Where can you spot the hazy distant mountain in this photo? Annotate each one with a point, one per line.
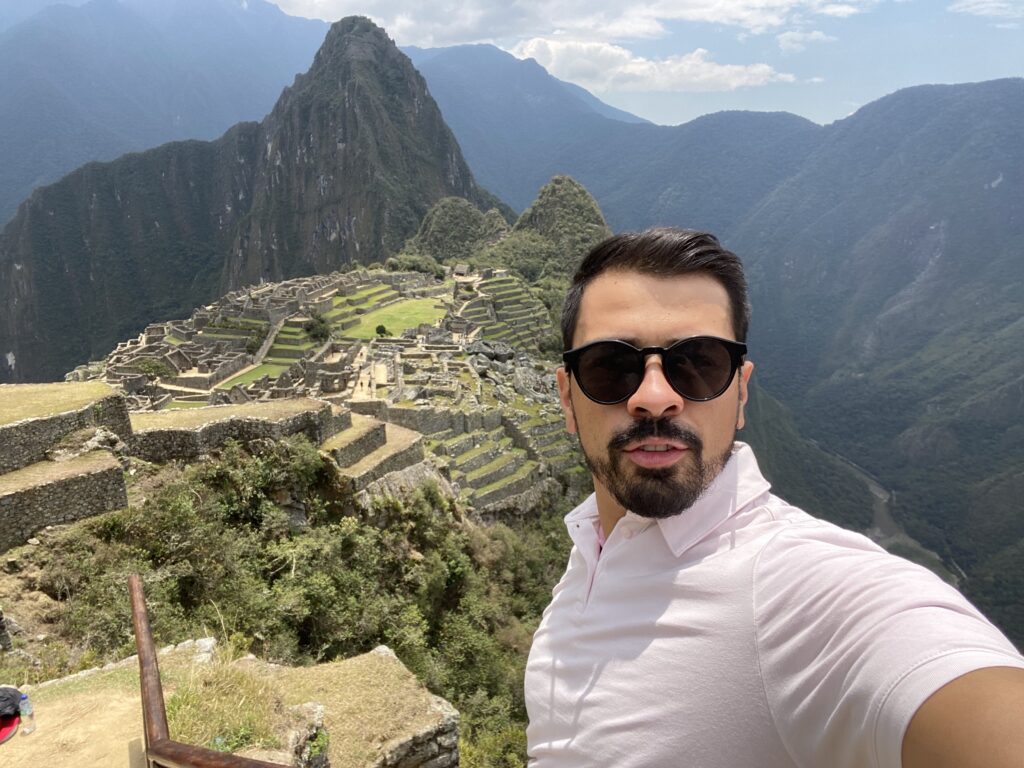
(519, 126)
(341, 171)
(95, 81)
(601, 108)
(889, 315)
(15, 11)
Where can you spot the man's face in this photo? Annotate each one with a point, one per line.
(655, 453)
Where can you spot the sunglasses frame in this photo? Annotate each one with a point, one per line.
(737, 350)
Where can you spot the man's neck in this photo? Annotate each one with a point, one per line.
(609, 511)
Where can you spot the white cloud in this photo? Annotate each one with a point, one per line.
(448, 22)
(793, 42)
(604, 67)
(840, 10)
(997, 9)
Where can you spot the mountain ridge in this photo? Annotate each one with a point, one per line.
(96, 80)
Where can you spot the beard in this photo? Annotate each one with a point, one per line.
(656, 493)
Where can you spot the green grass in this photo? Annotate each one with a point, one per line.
(179, 404)
(225, 333)
(362, 293)
(397, 318)
(272, 370)
(170, 338)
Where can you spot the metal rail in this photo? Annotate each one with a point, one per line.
(161, 750)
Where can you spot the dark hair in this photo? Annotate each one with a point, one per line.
(661, 251)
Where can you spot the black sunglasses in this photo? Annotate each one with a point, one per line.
(698, 368)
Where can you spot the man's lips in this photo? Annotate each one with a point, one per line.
(654, 452)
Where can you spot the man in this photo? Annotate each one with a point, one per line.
(702, 621)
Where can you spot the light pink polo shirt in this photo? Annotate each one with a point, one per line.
(741, 633)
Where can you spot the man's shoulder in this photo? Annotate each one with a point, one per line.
(800, 542)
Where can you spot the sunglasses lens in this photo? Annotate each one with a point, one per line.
(699, 369)
(609, 372)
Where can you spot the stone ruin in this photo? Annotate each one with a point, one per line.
(488, 416)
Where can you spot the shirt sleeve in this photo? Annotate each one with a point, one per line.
(851, 641)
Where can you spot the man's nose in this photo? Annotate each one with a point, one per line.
(655, 397)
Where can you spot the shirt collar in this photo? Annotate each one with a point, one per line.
(738, 484)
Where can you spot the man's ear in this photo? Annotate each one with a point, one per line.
(746, 370)
(565, 397)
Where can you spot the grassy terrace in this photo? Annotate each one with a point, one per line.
(273, 370)
(397, 317)
(32, 401)
(177, 405)
(359, 296)
(232, 334)
(527, 467)
(52, 471)
(292, 342)
(190, 418)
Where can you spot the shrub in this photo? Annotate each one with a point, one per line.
(456, 601)
(317, 328)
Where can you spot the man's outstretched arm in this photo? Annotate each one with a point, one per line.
(976, 721)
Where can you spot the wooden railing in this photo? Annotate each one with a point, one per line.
(161, 751)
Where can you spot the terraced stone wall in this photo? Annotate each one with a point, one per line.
(26, 510)
(437, 747)
(430, 420)
(26, 442)
(181, 443)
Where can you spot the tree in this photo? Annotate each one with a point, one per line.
(382, 331)
(317, 328)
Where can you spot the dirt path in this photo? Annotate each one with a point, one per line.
(90, 728)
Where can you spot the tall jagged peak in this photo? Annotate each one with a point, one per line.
(353, 37)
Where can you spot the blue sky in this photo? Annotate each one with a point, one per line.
(673, 60)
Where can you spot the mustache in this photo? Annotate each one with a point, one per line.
(664, 427)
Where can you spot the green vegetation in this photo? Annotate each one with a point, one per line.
(399, 316)
(317, 328)
(457, 602)
(799, 471)
(453, 231)
(155, 368)
(414, 262)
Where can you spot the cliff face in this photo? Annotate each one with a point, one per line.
(341, 171)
